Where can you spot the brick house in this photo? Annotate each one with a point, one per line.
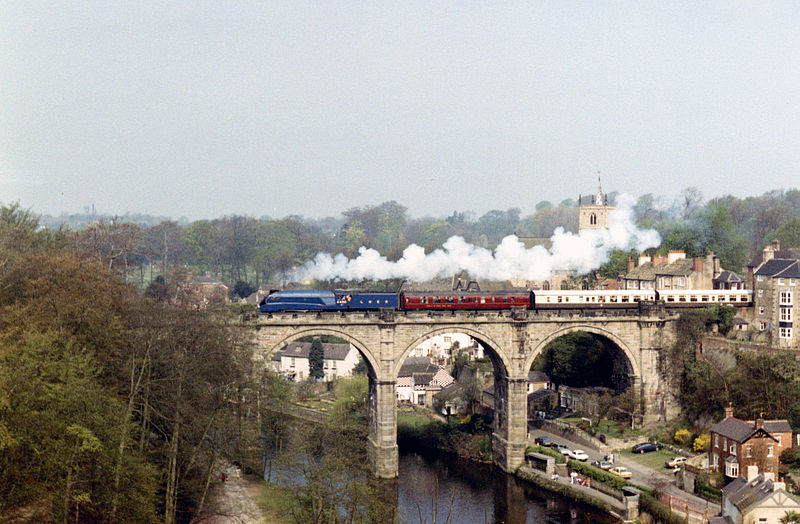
(736, 444)
(776, 282)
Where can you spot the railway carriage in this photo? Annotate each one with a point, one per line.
(433, 300)
(566, 299)
(706, 297)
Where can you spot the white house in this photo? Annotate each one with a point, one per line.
(419, 379)
(757, 499)
(338, 361)
(438, 348)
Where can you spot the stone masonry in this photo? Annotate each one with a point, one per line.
(513, 339)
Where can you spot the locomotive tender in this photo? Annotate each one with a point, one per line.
(347, 300)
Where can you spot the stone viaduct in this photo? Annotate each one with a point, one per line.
(512, 338)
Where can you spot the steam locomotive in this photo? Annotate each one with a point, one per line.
(347, 300)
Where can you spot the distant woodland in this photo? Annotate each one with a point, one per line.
(246, 252)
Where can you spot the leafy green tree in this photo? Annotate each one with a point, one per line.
(788, 234)
(316, 360)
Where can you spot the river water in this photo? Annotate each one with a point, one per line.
(460, 491)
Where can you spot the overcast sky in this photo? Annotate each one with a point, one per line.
(202, 109)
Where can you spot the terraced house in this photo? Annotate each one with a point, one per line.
(776, 283)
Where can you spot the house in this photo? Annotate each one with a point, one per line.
(538, 380)
(755, 499)
(737, 444)
(583, 401)
(451, 399)
(203, 291)
(541, 401)
(419, 379)
(443, 348)
(338, 360)
(776, 282)
(728, 280)
(672, 271)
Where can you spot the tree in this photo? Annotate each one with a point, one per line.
(316, 360)
(702, 442)
(791, 517)
(788, 234)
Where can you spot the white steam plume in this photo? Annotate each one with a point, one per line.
(510, 260)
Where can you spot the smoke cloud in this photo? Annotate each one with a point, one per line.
(510, 260)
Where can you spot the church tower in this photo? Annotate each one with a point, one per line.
(594, 215)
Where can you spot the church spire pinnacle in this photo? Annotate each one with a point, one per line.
(599, 197)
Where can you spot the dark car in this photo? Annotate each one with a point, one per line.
(646, 447)
(544, 441)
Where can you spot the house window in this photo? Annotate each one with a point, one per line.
(716, 441)
(761, 292)
(733, 449)
(770, 451)
(292, 363)
(786, 332)
(778, 438)
(786, 314)
(760, 278)
(592, 219)
(748, 451)
(762, 326)
(716, 460)
(725, 444)
(786, 298)
(760, 310)
(681, 281)
(734, 470)
(780, 281)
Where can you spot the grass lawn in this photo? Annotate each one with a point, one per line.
(654, 459)
(413, 420)
(608, 427)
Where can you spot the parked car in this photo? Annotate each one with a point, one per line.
(562, 449)
(646, 447)
(602, 464)
(675, 462)
(544, 441)
(578, 454)
(621, 471)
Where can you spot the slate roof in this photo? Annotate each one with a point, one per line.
(777, 266)
(538, 376)
(414, 365)
(786, 254)
(682, 267)
(728, 276)
(644, 271)
(740, 431)
(302, 349)
(744, 494)
(448, 392)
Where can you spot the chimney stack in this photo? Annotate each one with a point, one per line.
(630, 264)
(675, 254)
(776, 245)
(760, 421)
(697, 265)
(644, 259)
(729, 410)
(768, 253)
(752, 473)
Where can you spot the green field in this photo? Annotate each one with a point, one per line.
(654, 459)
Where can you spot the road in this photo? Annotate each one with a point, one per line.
(642, 475)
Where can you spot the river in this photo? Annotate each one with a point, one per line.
(461, 491)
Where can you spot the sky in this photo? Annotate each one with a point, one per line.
(205, 109)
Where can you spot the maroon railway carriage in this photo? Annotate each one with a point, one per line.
(464, 300)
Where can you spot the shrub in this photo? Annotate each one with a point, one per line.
(560, 458)
(702, 442)
(609, 479)
(683, 437)
(791, 457)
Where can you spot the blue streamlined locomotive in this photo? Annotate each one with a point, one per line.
(324, 300)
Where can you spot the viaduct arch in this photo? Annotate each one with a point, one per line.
(514, 337)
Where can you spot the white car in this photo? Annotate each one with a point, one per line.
(578, 454)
